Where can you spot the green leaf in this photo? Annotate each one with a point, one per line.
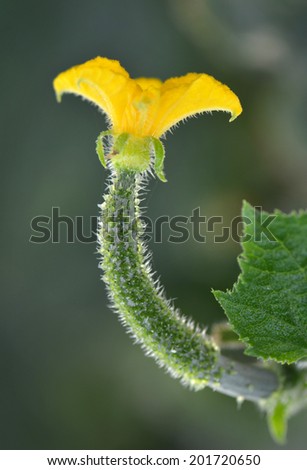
(267, 307)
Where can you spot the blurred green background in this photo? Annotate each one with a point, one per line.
(71, 377)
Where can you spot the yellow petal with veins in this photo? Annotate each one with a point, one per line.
(145, 107)
(102, 81)
(191, 94)
(146, 83)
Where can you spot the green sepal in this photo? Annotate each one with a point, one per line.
(131, 152)
(119, 143)
(100, 148)
(159, 158)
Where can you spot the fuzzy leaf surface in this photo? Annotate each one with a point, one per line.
(267, 307)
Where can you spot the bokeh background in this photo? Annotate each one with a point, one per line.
(71, 377)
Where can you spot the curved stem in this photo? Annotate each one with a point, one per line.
(176, 343)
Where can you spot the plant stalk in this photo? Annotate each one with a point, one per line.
(177, 344)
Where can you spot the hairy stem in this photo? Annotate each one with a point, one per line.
(187, 352)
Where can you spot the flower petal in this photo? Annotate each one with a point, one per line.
(102, 81)
(143, 107)
(191, 94)
(146, 83)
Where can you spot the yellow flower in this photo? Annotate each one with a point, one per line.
(141, 110)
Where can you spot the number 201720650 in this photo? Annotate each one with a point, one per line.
(223, 459)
